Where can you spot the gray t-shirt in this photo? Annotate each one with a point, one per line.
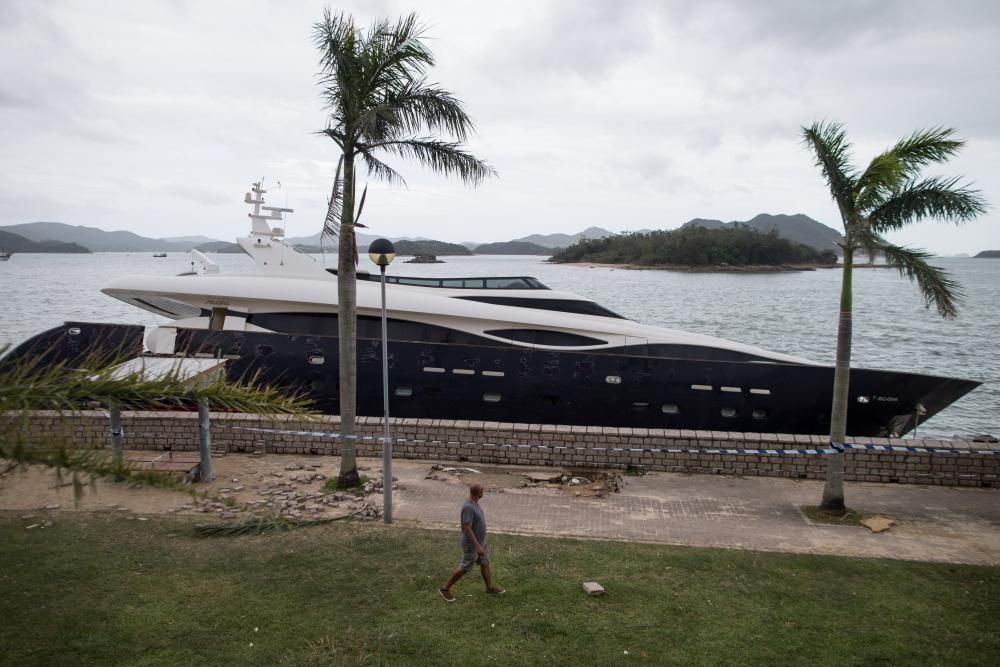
(473, 513)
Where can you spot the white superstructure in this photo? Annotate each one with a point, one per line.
(290, 284)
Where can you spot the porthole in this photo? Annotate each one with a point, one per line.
(493, 374)
(864, 399)
(433, 369)
(463, 371)
(639, 406)
(732, 390)
(317, 359)
(670, 409)
(729, 413)
(761, 392)
(613, 379)
(702, 387)
(760, 414)
(404, 391)
(491, 398)
(73, 331)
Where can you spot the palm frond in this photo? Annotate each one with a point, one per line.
(936, 285)
(379, 169)
(901, 164)
(361, 206)
(337, 39)
(883, 177)
(443, 157)
(932, 198)
(925, 147)
(420, 107)
(28, 385)
(253, 525)
(828, 143)
(334, 207)
(33, 383)
(396, 53)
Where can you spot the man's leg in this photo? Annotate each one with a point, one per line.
(455, 576)
(488, 579)
(484, 568)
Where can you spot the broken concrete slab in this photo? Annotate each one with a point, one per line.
(877, 524)
(593, 588)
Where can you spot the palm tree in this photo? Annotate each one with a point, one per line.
(888, 195)
(380, 102)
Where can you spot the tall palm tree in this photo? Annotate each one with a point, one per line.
(889, 194)
(380, 103)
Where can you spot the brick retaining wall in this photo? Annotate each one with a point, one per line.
(537, 444)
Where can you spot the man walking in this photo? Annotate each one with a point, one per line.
(473, 545)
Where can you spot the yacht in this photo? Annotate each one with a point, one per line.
(497, 348)
(4, 255)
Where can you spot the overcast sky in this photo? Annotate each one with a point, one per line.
(155, 116)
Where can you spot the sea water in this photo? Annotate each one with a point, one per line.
(794, 312)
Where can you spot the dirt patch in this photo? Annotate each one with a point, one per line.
(589, 483)
(272, 484)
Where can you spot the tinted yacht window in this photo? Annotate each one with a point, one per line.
(306, 324)
(558, 305)
(321, 324)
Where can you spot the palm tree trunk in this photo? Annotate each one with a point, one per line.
(347, 329)
(833, 489)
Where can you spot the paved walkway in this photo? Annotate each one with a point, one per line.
(959, 525)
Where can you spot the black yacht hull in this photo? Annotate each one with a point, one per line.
(507, 384)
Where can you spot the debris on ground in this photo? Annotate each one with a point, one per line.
(593, 588)
(877, 524)
(590, 483)
(451, 470)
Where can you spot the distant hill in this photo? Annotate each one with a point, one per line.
(989, 253)
(429, 248)
(313, 241)
(11, 242)
(512, 248)
(798, 228)
(564, 240)
(219, 246)
(96, 239)
(364, 240)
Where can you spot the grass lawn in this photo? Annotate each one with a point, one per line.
(96, 589)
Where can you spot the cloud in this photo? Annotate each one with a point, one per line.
(155, 117)
(198, 194)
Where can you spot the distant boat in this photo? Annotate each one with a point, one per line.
(159, 254)
(4, 255)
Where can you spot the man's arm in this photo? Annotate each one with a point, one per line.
(467, 529)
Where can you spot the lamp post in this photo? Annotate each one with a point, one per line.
(382, 252)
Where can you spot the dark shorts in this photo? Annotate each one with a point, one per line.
(470, 558)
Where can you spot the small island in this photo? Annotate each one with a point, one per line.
(739, 249)
(992, 254)
(423, 259)
(430, 247)
(513, 248)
